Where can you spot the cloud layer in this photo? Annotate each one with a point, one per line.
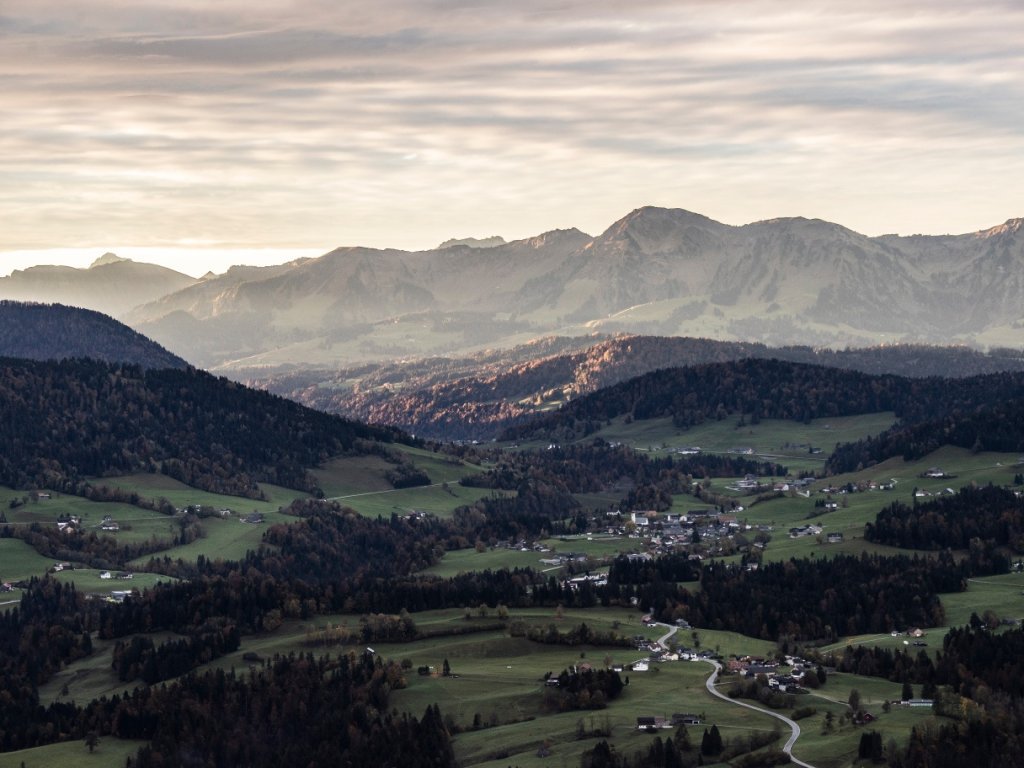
(314, 123)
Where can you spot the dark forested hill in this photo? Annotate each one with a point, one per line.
(772, 389)
(995, 424)
(55, 332)
(61, 422)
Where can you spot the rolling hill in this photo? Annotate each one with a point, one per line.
(62, 423)
(55, 332)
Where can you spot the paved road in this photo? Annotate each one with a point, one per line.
(793, 726)
(663, 640)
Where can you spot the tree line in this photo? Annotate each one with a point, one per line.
(969, 517)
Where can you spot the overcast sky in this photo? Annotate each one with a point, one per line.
(309, 124)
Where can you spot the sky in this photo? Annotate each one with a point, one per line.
(199, 134)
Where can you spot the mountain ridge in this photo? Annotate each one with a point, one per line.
(655, 271)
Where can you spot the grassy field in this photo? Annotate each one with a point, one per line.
(156, 486)
(788, 442)
(19, 561)
(598, 546)
(225, 539)
(109, 752)
(361, 483)
(88, 580)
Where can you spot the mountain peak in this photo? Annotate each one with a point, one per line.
(473, 242)
(1009, 227)
(571, 235)
(650, 220)
(108, 258)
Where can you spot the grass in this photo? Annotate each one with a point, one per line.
(1002, 594)
(439, 500)
(156, 486)
(784, 441)
(19, 561)
(88, 580)
(361, 483)
(74, 754)
(598, 546)
(224, 539)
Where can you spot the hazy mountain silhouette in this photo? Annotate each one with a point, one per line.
(111, 284)
(656, 271)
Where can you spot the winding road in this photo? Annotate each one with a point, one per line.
(713, 679)
(793, 725)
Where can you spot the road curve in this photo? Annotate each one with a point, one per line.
(793, 726)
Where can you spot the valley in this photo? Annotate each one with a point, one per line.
(494, 703)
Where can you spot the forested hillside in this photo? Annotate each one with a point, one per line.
(55, 332)
(478, 396)
(980, 424)
(63, 422)
(759, 389)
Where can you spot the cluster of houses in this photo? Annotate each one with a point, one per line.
(751, 484)
(790, 681)
(655, 723)
(670, 532)
(69, 523)
(73, 524)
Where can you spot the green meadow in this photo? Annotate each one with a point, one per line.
(19, 561)
(787, 442)
(73, 754)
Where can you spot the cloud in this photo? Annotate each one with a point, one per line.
(323, 123)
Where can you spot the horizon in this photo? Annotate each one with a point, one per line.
(306, 126)
(198, 260)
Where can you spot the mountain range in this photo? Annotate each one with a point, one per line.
(656, 271)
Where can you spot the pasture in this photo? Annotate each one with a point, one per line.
(73, 754)
(19, 561)
(787, 442)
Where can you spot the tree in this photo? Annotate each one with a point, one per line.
(908, 691)
(446, 669)
(92, 739)
(711, 743)
(682, 739)
(854, 700)
(870, 747)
